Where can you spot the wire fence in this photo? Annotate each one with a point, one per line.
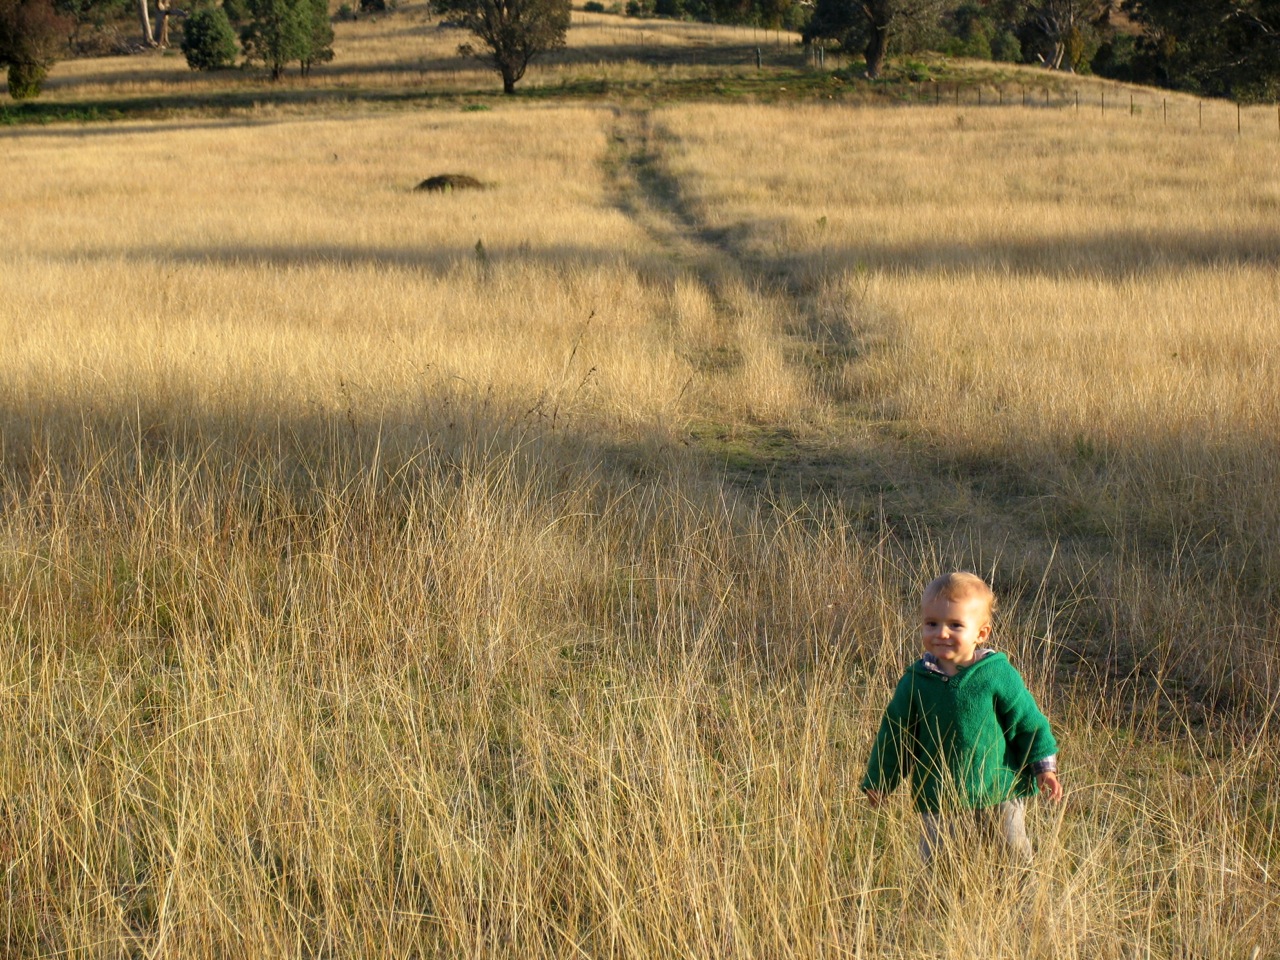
(744, 47)
(1177, 110)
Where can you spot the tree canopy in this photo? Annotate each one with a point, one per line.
(1215, 47)
(281, 32)
(868, 25)
(31, 33)
(208, 39)
(511, 33)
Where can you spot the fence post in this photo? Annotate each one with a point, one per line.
(1237, 119)
(1077, 101)
(1164, 110)
(757, 58)
(1200, 121)
(1131, 104)
(1103, 95)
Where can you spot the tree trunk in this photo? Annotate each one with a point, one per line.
(876, 46)
(144, 18)
(508, 82)
(162, 33)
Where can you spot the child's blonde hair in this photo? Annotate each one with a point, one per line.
(959, 585)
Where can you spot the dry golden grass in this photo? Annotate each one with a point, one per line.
(362, 593)
(1078, 310)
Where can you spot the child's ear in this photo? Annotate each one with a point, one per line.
(984, 631)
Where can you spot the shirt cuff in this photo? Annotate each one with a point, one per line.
(1048, 765)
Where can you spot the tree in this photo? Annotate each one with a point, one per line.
(320, 36)
(282, 31)
(30, 34)
(144, 21)
(208, 40)
(511, 32)
(94, 14)
(1066, 25)
(1215, 47)
(868, 25)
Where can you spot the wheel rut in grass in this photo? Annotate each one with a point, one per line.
(805, 459)
(845, 451)
(645, 190)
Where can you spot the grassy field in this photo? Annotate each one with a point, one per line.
(522, 572)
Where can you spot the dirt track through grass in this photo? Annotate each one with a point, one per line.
(837, 453)
(791, 457)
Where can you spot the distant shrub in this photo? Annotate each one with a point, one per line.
(237, 11)
(1115, 58)
(1006, 47)
(208, 39)
(969, 33)
(593, 6)
(31, 36)
(281, 32)
(26, 79)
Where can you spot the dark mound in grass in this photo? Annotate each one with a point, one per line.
(444, 182)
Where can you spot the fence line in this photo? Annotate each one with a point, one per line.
(1222, 115)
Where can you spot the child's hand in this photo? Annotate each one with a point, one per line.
(1050, 785)
(874, 797)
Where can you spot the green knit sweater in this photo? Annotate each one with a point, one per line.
(967, 741)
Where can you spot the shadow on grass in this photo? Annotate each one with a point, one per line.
(434, 260)
(1110, 255)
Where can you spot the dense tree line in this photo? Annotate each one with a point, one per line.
(1215, 47)
(1211, 47)
(274, 33)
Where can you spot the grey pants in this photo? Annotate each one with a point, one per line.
(1003, 826)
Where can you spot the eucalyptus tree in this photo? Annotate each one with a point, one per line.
(510, 34)
(867, 26)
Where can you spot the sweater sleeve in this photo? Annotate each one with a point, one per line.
(891, 754)
(1026, 729)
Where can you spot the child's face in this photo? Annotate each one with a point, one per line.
(952, 629)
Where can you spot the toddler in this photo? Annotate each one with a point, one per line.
(965, 728)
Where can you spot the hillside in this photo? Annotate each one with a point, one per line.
(522, 571)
